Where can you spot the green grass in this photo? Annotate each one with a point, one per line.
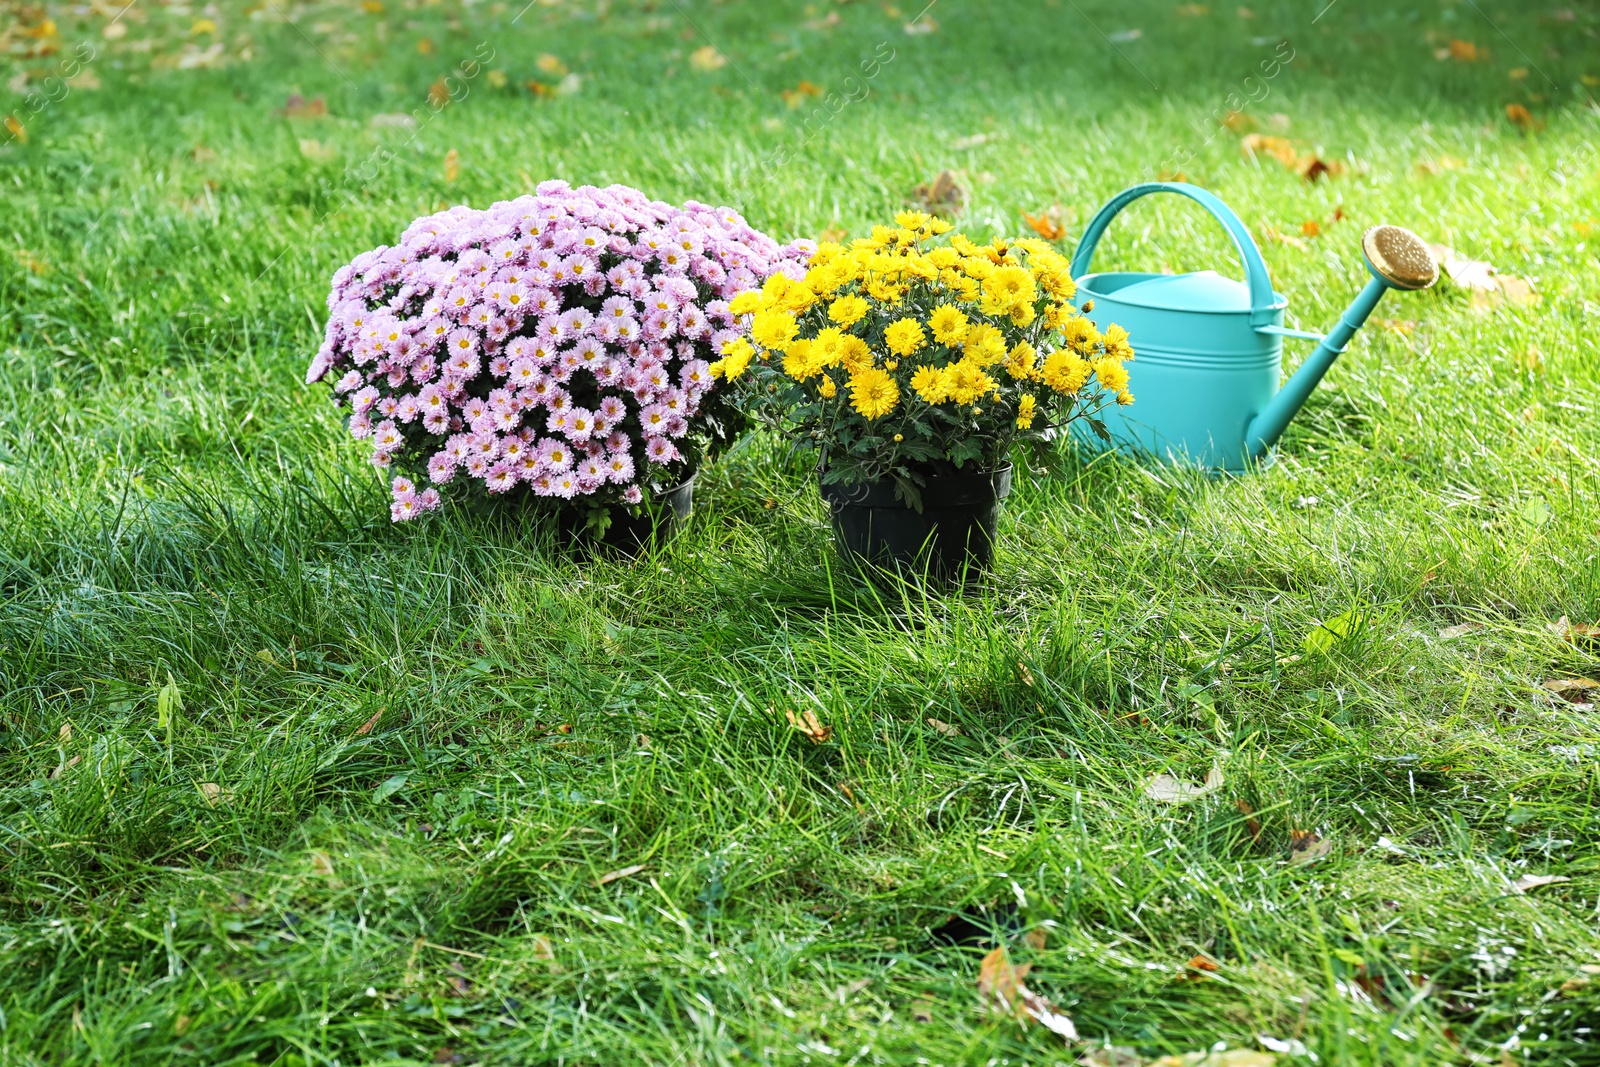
(178, 513)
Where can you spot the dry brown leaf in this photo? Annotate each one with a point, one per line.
(551, 65)
(706, 59)
(425, 46)
(65, 767)
(545, 952)
(645, 742)
(1306, 846)
(1462, 52)
(180, 1025)
(439, 94)
(925, 25)
(1450, 633)
(298, 107)
(1047, 224)
(65, 733)
(452, 165)
(1025, 674)
(1522, 118)
(1278, 237)
(1111, 1056)
(942, 196)
(945, 728)
(317, 151)
(1239, 121)
(16, 129)
(922, 1011)
(322, 867)
(1534, 881)
(832, 234)
(366, 728)
(1311, 228)
(612, 876)
(1312, 167)
(808, 723)
(1000, 985)
(845, 992)
(1037, 938)
(1251, 823)
(1578, 687)
(1169, 790)
(1201, 962)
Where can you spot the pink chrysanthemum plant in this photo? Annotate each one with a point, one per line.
(556, 346)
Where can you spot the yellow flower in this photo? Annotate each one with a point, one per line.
(961, 244)
(736, 356)
(968, 382)
(1111, 374)
(1116, 342)
(899, 437)
(873, 393)
(904, 336)
(944, 258)
(827, 348)
(1025, 411)
(1124, 397)
(773, 329)
(1022, 315)
(827, 388)
(855, 354)
(746, 302)
(798, 362)
(931, 384)
(798, 298)
(884, 292)
(912, 220)
(1007, 287)
(985, 345)
(1081, 335)
(922, 267)
(948, 323)
(1065, 371)
(1020, 363)
(936, 226)
(848, 310)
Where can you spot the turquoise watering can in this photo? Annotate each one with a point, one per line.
(1209, 350)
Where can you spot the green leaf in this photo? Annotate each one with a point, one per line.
(1327, 635)
(390, 787)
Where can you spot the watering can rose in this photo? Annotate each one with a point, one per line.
(900, 357)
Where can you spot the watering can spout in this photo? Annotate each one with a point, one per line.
(1398, 259)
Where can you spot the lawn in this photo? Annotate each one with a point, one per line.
(283, 783)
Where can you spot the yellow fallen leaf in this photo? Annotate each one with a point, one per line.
(612, 876)
(497, 79)
(452, 165)
(1450, 633)
(1522, 118)
(1307, 845)
(425, 46)
(833, 233)
(65, 767)
(944, 728)
(372, 7)
(1046, 224)
(202, 26)
(215, 794)
(551, 65)
(1279, 148)
(115, 31)
(439, 94)
(808, 723)
(706, 59)
(319, 152)
(1003, 992)
(16, 129)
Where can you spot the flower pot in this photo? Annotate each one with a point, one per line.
(630, 532)
(954, 533)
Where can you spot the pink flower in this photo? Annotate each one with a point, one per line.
(660, 450)
(632, 495)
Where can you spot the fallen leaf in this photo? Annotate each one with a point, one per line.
(1025, 674)
(1522, 118)
(921, 27)
(215, 794)
(1251, 823)
(833, 234)
(1575, 686)
(1305, 846)
(1202, 963)
(1239, 121)
(645, 742)
(1191, 11)
(550, 65)
(322, 867)
(1124, 36)
(808, 723)
(1111, 1056)
(612, 876)
(1462, 52)
(65, 733)
(1311, 228)
(16, 129)
(1000, 985)
(545, 952)
(942, 196)
(706, 59)
(798, 95)
(1276, 236)
(366, 728)
(84, 79)
(1278, 148)
(1450, 633)
(497, 79)
(962, 144)
(1311, 168)
(446, 1055)
(439, 94)
(1047, 224)
(67, 766)
(317, 151)
(298, 107)
(1037, 939)
(390, 787)
(945, 728)
(202, 26)
(372, 7)
(1169, 790)
(832, 19)
(452, 165)
(1534, 881)
(1326, 635)
(460, 984)
(845, 992)
(1236, 1057)
(922, 1012)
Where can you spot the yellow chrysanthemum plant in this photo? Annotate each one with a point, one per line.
(915, 352)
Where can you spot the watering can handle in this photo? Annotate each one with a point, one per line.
(1263, 301)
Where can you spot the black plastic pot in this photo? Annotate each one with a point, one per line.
(630, 533)
(954, 534)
